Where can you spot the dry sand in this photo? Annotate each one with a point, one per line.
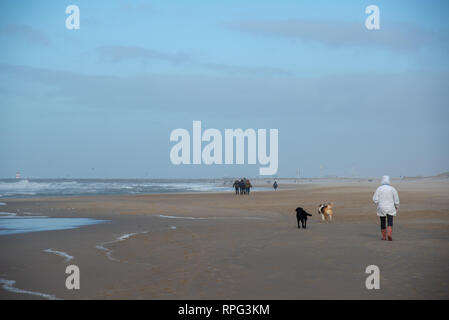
(244, 247)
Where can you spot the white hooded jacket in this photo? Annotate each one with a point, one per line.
(386, 198)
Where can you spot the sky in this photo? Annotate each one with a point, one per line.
(101, 101)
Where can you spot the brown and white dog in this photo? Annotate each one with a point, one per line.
(326, 212)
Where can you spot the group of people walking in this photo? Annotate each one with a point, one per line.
(242, 186)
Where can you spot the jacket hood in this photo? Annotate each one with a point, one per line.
(385, 180)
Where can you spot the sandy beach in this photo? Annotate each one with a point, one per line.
(227, 246)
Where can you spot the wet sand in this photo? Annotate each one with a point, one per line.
(241, 247)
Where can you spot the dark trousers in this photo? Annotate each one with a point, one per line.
(388, 219)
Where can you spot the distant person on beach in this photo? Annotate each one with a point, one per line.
(248, 186)
(245, 186)
(242, 186)
(386, 199)
(236, 185)
(275, 185)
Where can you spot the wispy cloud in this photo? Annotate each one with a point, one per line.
(338, 95)
(232, 69)
(25, 32)
(119, 53)
(340, 34)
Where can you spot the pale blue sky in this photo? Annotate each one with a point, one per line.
(100, 102)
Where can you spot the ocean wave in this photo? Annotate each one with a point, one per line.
(33, 188)
(60, 253)
(7, 214)
(8, 285)
(12, 215)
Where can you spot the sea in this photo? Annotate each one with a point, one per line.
(30, 188)
(12, 223)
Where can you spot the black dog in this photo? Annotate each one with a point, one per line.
(301, 215)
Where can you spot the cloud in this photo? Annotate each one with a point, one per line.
(356, 117)
(231, 69)
(364, 94)
(119, 53)
(26, 33)
(397, 36)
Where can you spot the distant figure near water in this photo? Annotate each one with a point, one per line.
(275, 185)
(242, 186)
(248, 186)
(236, 185)
(387, 200)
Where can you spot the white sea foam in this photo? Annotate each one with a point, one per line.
(126, 236)
(60, 253)
(7, 214)
(2, 204)
(55, 187)
(208, 218)
(8, 285)
(123, 237)
(15, 216)
(177, 217)
(108, 251)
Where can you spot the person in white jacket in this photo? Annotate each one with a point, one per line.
(386, 199)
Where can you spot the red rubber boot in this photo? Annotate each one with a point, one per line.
(384, 234)
(390, 231)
